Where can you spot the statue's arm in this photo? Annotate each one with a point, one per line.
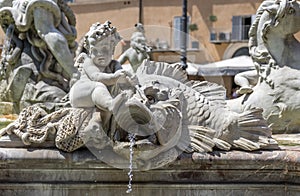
(123, 58)
(95, 74)
(14, 55)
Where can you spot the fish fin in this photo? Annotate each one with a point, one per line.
(174, 71)
(201, 138)
(252, 121)
(251, 132)
(221, 144)
(211, 91)
(246, 144)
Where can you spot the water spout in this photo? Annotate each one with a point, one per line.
(131, 138)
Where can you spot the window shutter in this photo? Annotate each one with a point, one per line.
(236, 28)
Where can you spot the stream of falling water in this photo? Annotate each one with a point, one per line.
(131, 138)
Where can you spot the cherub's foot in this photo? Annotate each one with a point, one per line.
(245, 90)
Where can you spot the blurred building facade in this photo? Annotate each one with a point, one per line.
(218, 29)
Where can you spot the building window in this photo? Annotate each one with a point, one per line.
(241, 26)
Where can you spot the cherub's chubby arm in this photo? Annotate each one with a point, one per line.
(123, 58)
(95, 74)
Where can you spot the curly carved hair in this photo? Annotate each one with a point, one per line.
(99, 32)
(277, 8)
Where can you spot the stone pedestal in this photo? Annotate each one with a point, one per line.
(52, 172)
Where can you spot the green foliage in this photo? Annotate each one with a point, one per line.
(193, 27)
(213, 18)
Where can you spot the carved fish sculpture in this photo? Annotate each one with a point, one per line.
(187, 116)
(166, 114)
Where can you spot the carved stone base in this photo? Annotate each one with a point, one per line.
(52, 172)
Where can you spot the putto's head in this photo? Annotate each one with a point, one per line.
(137, 38)
(101, 32)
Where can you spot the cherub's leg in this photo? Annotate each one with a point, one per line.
(103, 100)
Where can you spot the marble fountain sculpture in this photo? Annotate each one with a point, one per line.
(37, 58)
(138, 50)
(275, 53)
(155, 114)
(93, 109)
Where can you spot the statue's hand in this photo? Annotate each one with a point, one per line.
(121, 74)
(132, 81)
(125, 77)
(128, 82)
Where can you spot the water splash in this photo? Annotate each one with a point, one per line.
(131, 138)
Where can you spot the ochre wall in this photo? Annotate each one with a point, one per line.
(157, 19)
(122, 16)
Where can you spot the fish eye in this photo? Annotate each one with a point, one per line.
(291, 10)
(162, 96)
(151, 99)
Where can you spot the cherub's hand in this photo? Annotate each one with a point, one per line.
(121, 73)
(128, 82)
(133, 80)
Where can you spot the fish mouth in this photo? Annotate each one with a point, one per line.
(139, 112)
(151, 137)
(135, 117)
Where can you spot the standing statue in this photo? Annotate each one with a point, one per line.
(37, 60)
(274, 51)
(138, 50)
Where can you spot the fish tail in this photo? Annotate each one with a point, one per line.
(250, 131)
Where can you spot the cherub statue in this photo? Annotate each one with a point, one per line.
(99, 72)
(138, 50)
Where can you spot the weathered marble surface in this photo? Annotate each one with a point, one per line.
(166, 113)
(52, 172)
(275, 53)
(36, 63)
